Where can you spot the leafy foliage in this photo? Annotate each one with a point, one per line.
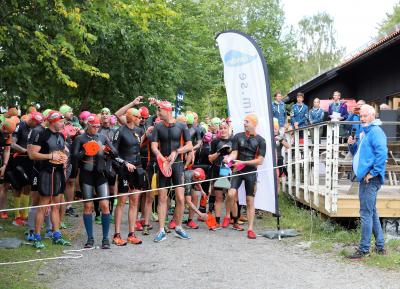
(96, 53)
(392, 19)
(316, 46)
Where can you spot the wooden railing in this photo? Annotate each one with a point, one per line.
(326, 149)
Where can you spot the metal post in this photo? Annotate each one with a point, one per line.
(305, 166)
(297, 165)
(328, 172)
(316, 165)
(335, 169)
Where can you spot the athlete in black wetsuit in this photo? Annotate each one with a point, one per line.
(34, 134)
(6, 129)
(22, 163)
(220, 148)
(49, 149)
(131, 176)
(91, 176)
(171, 141)
(111, 175)
(248, 149)
(151, 170)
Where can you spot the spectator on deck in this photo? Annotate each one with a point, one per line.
(316, 114)
(337, 109)
(279, 109)
(299, 113)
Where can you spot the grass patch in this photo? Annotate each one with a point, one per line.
(26, 275)
(327, 236)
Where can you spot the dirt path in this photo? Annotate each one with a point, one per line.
(222, 259)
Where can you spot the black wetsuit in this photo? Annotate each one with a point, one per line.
(170, 138)
(195, 135)
(5, 141)
(51, 179)
(21, 160)
(127, 143)
(144, 148)
(248, 148)
(107, 132)
(34, 134)
(222, 146)
(91, 168)
(110, 172)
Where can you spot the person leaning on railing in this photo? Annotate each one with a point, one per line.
(369, 164)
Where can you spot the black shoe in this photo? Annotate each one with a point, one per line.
(105, 244)
(358, 255)
(89, 244)
(380, 251)
(71, 212)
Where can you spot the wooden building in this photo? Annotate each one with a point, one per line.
(371, 74)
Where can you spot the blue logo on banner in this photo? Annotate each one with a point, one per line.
(237, 58)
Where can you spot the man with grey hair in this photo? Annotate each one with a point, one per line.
(369, 164)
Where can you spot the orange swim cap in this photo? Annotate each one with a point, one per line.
(252, 118)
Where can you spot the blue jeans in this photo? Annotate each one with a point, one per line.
(369, 216)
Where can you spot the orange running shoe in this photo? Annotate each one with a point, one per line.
(4, 216)
(172, 224)
(19, 222)
(139, 226)
(133, 239)
(216, 227)
(117, 240)
(225, 222)
(251, 234)
(192, 225)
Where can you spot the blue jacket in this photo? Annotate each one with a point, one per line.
(316, 115)
(279, 112)
(357, 127)
(299, 114)
(370, 152)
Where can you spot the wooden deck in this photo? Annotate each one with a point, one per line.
(348, 205)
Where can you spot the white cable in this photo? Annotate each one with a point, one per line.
(69, 254)
(73, 254)
(145, 191)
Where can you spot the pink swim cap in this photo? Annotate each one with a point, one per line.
(84, 115)
(207, 137)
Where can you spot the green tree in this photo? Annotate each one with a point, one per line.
(391, 19)
(317, 49)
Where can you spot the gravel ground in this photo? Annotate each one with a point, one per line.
(222, 259)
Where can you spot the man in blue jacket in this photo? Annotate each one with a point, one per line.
(316, 114)
(369, 164)
(299, 113)
(279, 109)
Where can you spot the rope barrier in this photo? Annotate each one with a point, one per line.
(69, 254)
(145, 191)
(76, 254)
